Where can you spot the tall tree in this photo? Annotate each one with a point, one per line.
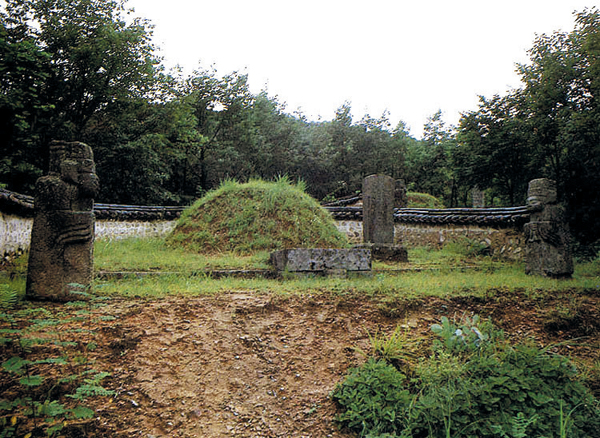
(221, 109)
(551, 127)
(428, 161)
(493, 149)
(86, 57)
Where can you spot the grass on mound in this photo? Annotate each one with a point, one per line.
(256, 216)
(423, 200)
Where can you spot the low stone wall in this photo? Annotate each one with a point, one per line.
(500, 229)
(115, 230)
(505, 242)
(15, 234)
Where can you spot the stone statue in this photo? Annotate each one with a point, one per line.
(548, 241)
(62, 237)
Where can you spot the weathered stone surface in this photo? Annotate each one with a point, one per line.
(62, 236)
(322, 260)
(478, 196)
(380, 192)
(400, 194)
(386, 253)
(378, 209)
(548, 241)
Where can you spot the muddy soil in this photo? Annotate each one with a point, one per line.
(255, 365)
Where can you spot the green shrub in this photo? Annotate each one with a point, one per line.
(467, 247)
(374, 399)
(473, 385)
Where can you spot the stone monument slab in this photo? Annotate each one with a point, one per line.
(322, 260)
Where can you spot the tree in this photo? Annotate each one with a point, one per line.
(80, 56)
(428, 161)
(493, 149)
(221, 110)
(562, 85)
(23, 67)
(550, 128)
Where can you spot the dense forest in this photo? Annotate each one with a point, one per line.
(86, 70)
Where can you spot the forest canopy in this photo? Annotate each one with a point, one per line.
(86, 70)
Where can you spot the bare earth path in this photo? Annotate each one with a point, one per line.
(254, 365)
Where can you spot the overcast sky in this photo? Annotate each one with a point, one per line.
(410, 58)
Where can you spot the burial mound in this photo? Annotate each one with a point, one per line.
(256, 216)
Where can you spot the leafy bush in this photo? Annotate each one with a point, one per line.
(473, 385)
(374, 399)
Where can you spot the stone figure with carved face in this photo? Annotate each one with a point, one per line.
(548, 242)
(62, 237)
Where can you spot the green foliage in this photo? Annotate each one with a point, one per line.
(548, 128)
(8, 297)
(255, 216)
(429, 169)
(473, 385)
(67, 63)
(467, 247)
(395, 349)
(25, 329)
(469, 336)
(373, 399)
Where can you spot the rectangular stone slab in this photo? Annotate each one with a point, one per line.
(322, 259)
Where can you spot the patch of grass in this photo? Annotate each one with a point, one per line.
(255, 216)
(409, 285)
(589, 269)
(147, 255)
(437, 273)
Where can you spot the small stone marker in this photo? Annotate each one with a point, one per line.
(62, 236)
(379, 195)
(548, 241)
(478, 196)
(325, 261)
(400, 194)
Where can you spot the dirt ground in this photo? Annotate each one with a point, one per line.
(254, 365)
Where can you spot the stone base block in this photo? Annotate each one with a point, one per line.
(323, 261)
(386, 253)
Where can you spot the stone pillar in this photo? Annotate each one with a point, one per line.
(478, 196)
(400, 195)
(378, 209)
(548, 241)
(378, 218)
(62, 236)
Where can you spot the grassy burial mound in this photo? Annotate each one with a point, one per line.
(423, 200)
(255, 216)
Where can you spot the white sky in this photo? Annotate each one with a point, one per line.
(410, 57)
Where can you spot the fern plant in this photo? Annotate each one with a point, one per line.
(8, 297)
(27, 331)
